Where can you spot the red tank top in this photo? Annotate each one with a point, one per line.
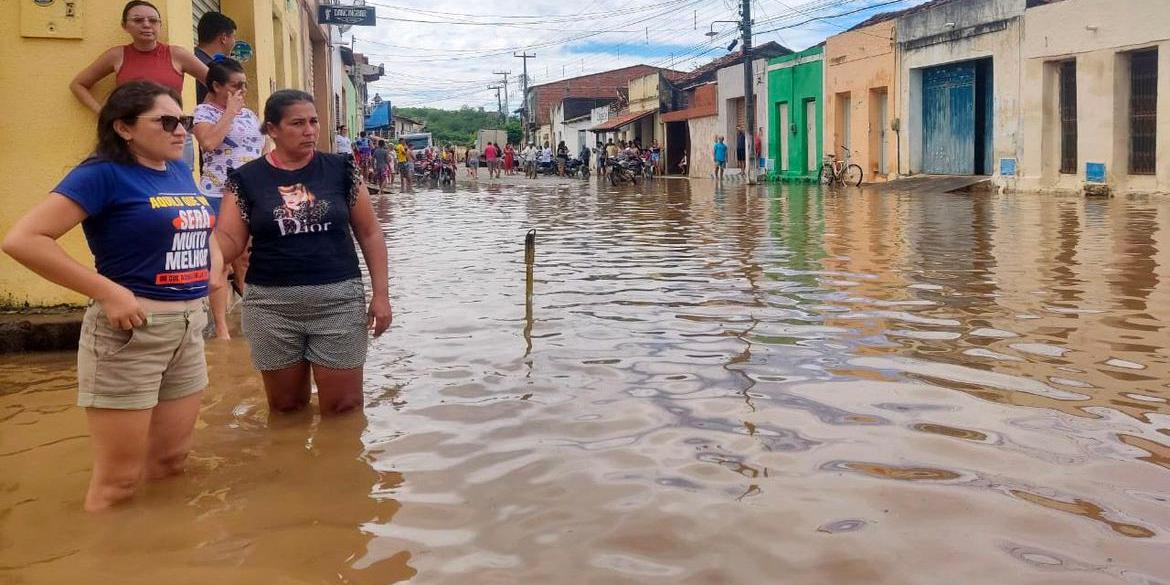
(154, 65)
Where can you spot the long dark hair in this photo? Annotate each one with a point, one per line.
(132, 4)
(126, 103)
(220, 71)
(280, 101)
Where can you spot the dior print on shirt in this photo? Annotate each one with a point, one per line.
(300, 211)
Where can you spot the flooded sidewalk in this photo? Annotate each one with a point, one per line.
(695, 385)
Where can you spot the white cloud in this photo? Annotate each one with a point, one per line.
(450, 65)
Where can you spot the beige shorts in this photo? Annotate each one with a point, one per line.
(135, 369)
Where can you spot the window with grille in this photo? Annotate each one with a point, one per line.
(1143, 111)
(1068, 117)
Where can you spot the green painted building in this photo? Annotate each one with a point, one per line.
(797, 100)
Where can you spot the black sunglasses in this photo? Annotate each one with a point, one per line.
(169, 123)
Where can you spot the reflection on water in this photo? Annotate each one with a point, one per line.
(684, 386)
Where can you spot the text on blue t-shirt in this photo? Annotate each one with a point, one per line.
(148, 229)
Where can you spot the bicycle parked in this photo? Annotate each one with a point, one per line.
(836, 171)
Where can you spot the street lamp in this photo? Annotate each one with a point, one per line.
(712, 33)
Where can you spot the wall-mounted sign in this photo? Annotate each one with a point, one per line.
(347, 15)
(1007, 167)
(1095, 172)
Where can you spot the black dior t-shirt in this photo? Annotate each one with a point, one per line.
(299, 220)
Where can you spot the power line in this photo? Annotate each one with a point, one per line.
(838, 15)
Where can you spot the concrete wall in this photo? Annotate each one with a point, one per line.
(1096, 34)
(702, 158)
(730, 82)
(597, 116)
(979, 30)
(645, 95)
(572, 133)
(557, 122)
(861, 64)
(46, 131)
(541, 98)
(34, 88)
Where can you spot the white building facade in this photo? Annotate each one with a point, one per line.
(959, 88)
(731, 108)
(1096, 103)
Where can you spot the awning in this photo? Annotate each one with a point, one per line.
(687, 114)
(379, 117)
(614, 123)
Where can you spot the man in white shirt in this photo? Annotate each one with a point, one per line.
(529, 158)
(341, 143)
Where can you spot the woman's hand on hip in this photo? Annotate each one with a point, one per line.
(380, 315)
(122, 308)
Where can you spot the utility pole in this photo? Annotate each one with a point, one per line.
(507, 106)
(499, 104)
(524, 100)
(749, 109)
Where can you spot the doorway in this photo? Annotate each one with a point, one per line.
(782, 131)
(879, 127)
(957, 118)
(678, 144)
(812, 162)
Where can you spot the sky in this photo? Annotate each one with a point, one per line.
(446, 53)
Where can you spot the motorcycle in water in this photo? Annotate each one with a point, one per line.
(546, 168)
(424, 170)
(623, 170)
(446, 173)
(576, 168)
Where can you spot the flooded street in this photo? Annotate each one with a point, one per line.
(776, 386)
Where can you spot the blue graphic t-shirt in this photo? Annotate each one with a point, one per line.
(720, 152)
(148, 230)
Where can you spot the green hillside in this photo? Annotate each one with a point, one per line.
(459, 126)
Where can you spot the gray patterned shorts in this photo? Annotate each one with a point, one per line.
(324, 324)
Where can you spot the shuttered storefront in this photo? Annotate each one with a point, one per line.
(198, 9)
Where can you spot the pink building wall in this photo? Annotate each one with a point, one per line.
(860, 72)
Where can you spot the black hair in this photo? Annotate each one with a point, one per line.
(280, 101)
(363, 134)
(134, 3)
(213, 24)
(220, 71)
(126, 103)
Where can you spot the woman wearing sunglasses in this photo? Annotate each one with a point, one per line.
(305, 311)
(229, 136)
(140, 364)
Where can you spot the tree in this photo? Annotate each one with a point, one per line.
(460, 126)
(515, 131)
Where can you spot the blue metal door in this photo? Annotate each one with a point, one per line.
(948, 119)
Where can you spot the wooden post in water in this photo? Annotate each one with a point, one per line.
(529, 260)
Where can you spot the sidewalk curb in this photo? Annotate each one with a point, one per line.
(28, 332)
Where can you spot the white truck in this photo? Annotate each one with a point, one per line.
(483, 137)
(418, 142)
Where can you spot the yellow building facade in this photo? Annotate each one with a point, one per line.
(46, 131)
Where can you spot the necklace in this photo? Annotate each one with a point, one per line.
(276, 162)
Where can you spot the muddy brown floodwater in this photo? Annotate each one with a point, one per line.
(783, 386)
